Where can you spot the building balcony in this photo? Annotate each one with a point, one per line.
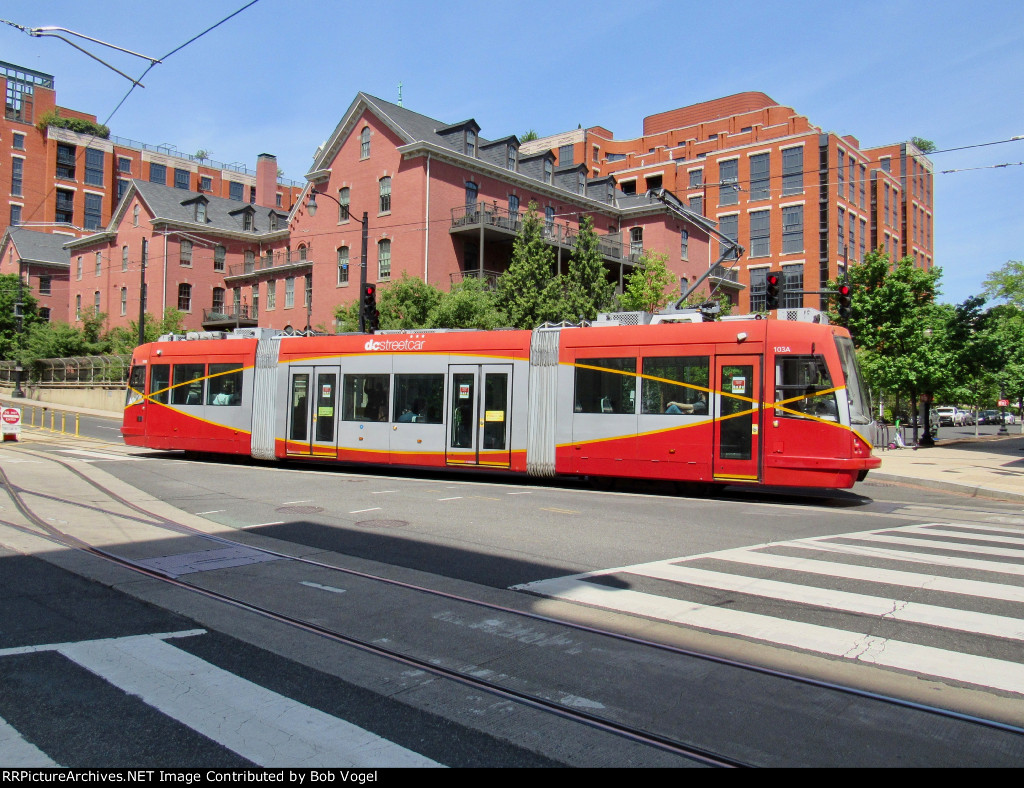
(499, 224)
(232, 317)
(284, 260)
(728, 277)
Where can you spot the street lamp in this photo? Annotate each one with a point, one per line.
(311, 207)
(926, 400)
(1002, 415)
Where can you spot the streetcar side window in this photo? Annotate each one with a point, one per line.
(803, 388)
(419, 399)
(675, 384)
(366, 398)
(136, 385)
(225, 385)
(187, 388)
(605, 385)
(159, 382)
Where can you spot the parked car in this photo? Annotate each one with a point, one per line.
(1009, 418)
(950, 416)
(990, 417)
(968, 417)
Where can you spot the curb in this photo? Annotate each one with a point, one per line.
(973, 491)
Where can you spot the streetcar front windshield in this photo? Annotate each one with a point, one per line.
(136, 385)
(860, 405)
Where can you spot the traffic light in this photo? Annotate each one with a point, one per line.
(772, 283)
(845, 307)
(371, 317)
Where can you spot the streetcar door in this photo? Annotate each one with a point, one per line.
(737, 418)
(478, 415)
(312, 411)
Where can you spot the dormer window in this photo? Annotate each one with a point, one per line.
(247, 221)
(611, 192)
(513, 156)
(273, 221)
(548, 171)
(201, 212)
(471, 143)
(581, 183)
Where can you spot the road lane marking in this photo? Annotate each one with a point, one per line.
(17, 753)
(332, 589)
(371, 509)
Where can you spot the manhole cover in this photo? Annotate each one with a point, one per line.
(382, 524)
(299, 509)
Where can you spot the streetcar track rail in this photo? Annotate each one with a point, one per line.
(701, 755)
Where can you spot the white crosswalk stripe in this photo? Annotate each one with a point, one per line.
(799, 593)
(264, 727)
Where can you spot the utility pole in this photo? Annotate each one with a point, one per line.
(142, 294)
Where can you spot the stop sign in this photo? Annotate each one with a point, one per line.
(11, 415)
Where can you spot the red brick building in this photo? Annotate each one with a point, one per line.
(55, 178)
(798, 199)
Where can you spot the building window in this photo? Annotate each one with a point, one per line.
(17, 174)
(122, 187)
(250, 262)
(728, 186)
(792, 287)
(841, 234)
(863, 186)
(385, 195)
(549, 218)
(93, 167)
(15, 215)
(124, 165)
(278, 199)
(792, 171)
(66, 161)
(65, 207)
(841, 172)
(863, 237)
(307, 292)
(272, 221)
(271, 295)
(235, 191)
(471, 194)
(343, 265)
(205, 183)
(684, 245)
(513, 208)
(185, 252)
(760, 234)
(853, 235)
(218, 300)
(44, 314)
(124, 258)
(853, 179)
(303, 252)
(96, 302)
(343, 198)
(760, 183)
(18, 141)
(99, 264)
(289, 292)
(45, 286)
(793, 229)
(886, 164)
(93, 212)
(636, 241)
(219, 255)
(157, 173)
(247, 220)
(78, 307)
(697, 205)
(200, 212)
(471, 143)
(182, 179)
(548, 171)
(78, 268)
(252, 195)
(124, 301)
(145, 252)
(565, 155)
(364, 143)
(758, 288)
(236, 300)
(513, 157)
(254, 313)
(696, 179)
(384, 259)
(729, 227)
(185, 297)
(135, 216)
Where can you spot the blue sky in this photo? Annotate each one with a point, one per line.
(278, 76)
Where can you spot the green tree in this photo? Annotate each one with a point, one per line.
(13, 289)
(1007, 283)
(528, 291)
(923, 145)
(528, 136)
(122, 340)
(405, 303)
(347, 316)
(470, 304)
(650, 285)
(585, 289)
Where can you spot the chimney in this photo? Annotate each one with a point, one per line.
(266, 180)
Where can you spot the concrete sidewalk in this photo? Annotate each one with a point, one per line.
(987, 466)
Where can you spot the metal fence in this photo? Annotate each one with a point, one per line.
(75, 372)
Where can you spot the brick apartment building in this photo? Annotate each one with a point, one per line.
(60, 180)
(442, 203)
(798, 199)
